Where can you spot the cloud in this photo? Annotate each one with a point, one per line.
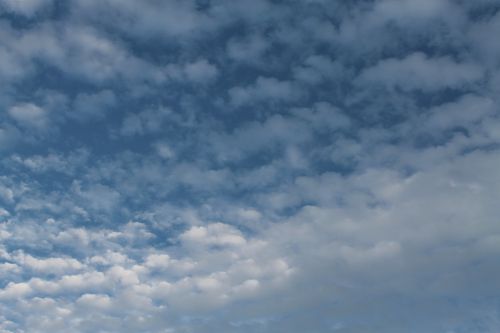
(93, 106)
(98, 197)
(318, 68)
(26, 8)
(465, 113)
(303, 166)
(262, 90)
(247, 50)
(9, 136)
(11, 67)
(411, 9)
(200, 71)
(428, 74)
(144, 122)
(168, 19)
(15, 290)
(483, 46)
(29, 115)
(94, 301)
(214, 234)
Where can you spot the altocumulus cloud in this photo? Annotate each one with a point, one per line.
(249, 166)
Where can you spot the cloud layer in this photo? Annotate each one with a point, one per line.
(264, 166)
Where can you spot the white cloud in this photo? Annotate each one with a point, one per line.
(95, 301)
(158, 261)
(25, 7)
(164, 150)
(200, 71)
(98, 197)
(427, 74)
(249, 214)
(264, 89)
(15, 290)
(358, 176)
(29, 115)
(124, 276)
(217, 234)
(49, 265)
(466, 112)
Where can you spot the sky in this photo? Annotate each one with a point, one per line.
(263, 166)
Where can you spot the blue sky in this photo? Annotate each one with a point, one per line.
(249, 166)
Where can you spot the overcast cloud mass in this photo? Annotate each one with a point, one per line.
(271, 166)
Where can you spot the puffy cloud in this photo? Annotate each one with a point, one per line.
(411, 9)
(144, 122)
(216, 234)
(427, 74)
(49, 265)
(158, 261)
(483, 45)
(264, 89)
(29, 115)
(15, 290)
(27, 7)
(247, 50)
(168, 19)
(98, 197)
(317, 68)
(200, 71)
(94, 301)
